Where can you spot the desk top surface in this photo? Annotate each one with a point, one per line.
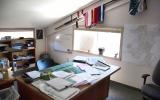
(82, 88)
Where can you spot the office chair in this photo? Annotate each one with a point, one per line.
(44, 63)
(152, 91)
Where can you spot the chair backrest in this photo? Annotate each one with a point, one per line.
(156, 74)
(44, 63)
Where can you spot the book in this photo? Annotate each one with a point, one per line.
(58, 83)
(33, 74)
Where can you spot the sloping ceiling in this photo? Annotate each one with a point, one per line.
(36, 13)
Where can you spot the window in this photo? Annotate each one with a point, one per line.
(14, 34)
(106, 43)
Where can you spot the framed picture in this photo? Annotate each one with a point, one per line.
(39, 34)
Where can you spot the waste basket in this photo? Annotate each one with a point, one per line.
(9, 94)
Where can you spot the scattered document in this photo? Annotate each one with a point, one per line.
(92, 71)
(33, 74)
(78, 80)
(88, 60)
(101, 67)
(80, 58)
(93, 60)
(103, 64)
(83, 78)
(89, 78)
(88, 69)
(62, 74)
(58, 83)
(81, 66)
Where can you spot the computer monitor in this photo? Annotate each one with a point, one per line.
(44, 63)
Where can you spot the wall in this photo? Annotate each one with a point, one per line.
(130, 72)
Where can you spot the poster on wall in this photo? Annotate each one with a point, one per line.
(39, 34)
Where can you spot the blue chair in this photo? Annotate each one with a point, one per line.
(152, 91)
(44, 63)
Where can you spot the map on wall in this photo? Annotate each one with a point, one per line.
(141, 44)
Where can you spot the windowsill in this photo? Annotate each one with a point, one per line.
(88, 53)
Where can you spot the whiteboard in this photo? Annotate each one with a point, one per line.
(61, 40)
(141, 44)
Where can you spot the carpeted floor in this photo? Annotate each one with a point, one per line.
(120, 92)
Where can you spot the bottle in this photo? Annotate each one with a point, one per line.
(5, 74)
(14, 66)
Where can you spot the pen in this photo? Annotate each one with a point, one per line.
(104, 63)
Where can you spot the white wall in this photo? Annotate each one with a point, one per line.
(130, 73)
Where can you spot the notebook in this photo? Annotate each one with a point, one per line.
(58, 83)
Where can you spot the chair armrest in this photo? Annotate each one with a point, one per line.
(144, 76)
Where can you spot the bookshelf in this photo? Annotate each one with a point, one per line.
(20, 52)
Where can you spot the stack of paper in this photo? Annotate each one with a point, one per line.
(82, 79)
(101, 68)
(101, 65)
(89, 78)
(78, 80)
(62, 74)
(65, 94)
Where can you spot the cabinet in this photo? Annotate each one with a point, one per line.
(20, 52)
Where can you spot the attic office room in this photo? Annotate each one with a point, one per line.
(79, 49)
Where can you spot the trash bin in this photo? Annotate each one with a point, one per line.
(9, 94)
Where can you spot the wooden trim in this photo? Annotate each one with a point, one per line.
(16, 29)
(101, 28)
(96, 55)
(121, 44)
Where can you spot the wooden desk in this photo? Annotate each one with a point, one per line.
(96, 91)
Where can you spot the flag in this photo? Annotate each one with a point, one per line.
(89, 18)
(86, 19)
(102, 13)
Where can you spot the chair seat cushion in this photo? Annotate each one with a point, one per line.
(151, 91)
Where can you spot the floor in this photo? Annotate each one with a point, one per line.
(120, 92)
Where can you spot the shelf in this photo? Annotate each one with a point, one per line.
(5, 40)
(20, 71)
(25, 39)
(20, 50)
(29, 49)
(4, 52)
(23, 58)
